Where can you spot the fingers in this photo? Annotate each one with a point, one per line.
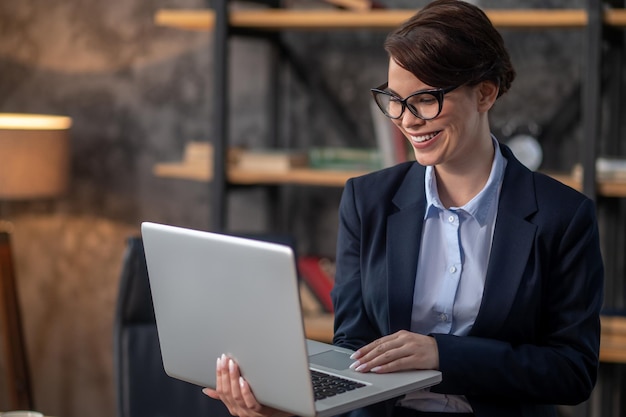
(378, 356)
(233, 390)
(223, 385)
(248, 398)
(399, 351)
(211, 393)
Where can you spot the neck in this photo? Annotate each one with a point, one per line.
(458, 184)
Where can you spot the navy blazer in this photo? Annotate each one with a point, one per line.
(535, 342)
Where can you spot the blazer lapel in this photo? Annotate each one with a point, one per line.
(512, 244)
(404, 231)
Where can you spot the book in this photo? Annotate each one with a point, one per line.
(392, 144)
(310, 304)
(606, 169)
(341, 158)
(318, 274)
(270, 160)
(196, 164)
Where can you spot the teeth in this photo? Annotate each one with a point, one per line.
(424, 138)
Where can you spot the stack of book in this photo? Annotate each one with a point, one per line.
(270, 160)
(392, 144)
(341, 158)
(197, 163)
(318, 277)
(606, 169)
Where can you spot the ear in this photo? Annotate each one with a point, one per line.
(487, 93)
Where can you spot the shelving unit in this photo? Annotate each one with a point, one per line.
(277, 20)
(237, 176)
(268, 22)
(337, 178)
(226, 22)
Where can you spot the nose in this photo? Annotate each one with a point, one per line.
(409, 120)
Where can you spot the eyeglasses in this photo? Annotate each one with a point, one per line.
(425, 104)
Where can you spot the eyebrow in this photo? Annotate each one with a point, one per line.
(410, 94)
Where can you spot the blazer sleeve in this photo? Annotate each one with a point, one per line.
(559, 364)
(353, 327)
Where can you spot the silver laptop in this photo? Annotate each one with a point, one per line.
(216, 294)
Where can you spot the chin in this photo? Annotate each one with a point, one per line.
(422, 159)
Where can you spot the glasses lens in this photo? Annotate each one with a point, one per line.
(424, 105)
(391, 106)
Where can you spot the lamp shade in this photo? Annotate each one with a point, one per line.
(34, 156)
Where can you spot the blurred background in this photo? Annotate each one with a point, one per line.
(137, 93)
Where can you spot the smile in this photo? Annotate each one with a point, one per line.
(424, 138)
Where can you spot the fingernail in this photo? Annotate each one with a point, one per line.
(241, 382)
(355, 364)
(375, 369)
(360, 368)
(231, 365)
(218, 363)
(355, 355)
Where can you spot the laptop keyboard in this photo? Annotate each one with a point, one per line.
(325, 385)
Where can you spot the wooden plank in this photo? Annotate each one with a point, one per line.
(319, 19)
(538, 18)
(605, 188)
(613, 339)
(319, 327)
(612, 188)
(612, 346)
(202, 20)
(612, 355)
(330, 178)
(357, 5)
(615, 17)
(614, 324)
(323, 19)
(301, 176)
(183, 171)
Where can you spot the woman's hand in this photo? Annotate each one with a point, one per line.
(233, 390)
(397, 352)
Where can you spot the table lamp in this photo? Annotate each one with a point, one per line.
(34, 153)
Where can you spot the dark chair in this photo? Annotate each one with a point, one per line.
(143, 388)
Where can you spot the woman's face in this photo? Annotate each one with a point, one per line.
(459, 136)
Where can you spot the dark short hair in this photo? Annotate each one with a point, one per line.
(451, 43)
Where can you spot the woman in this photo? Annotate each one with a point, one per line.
(465, 261)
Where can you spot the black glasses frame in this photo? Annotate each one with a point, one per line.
(438, 93)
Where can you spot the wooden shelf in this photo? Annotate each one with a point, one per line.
(271, 19)
(202, 20)
(605, 188)
(324, 19)
(319, 327)
(615, 17)
(194, 172)
(328, 178)
(613, 339)
(299, 176)
(612, 342)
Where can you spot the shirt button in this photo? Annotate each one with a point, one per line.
(451, 219)
(443, 317)
(452, 269)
